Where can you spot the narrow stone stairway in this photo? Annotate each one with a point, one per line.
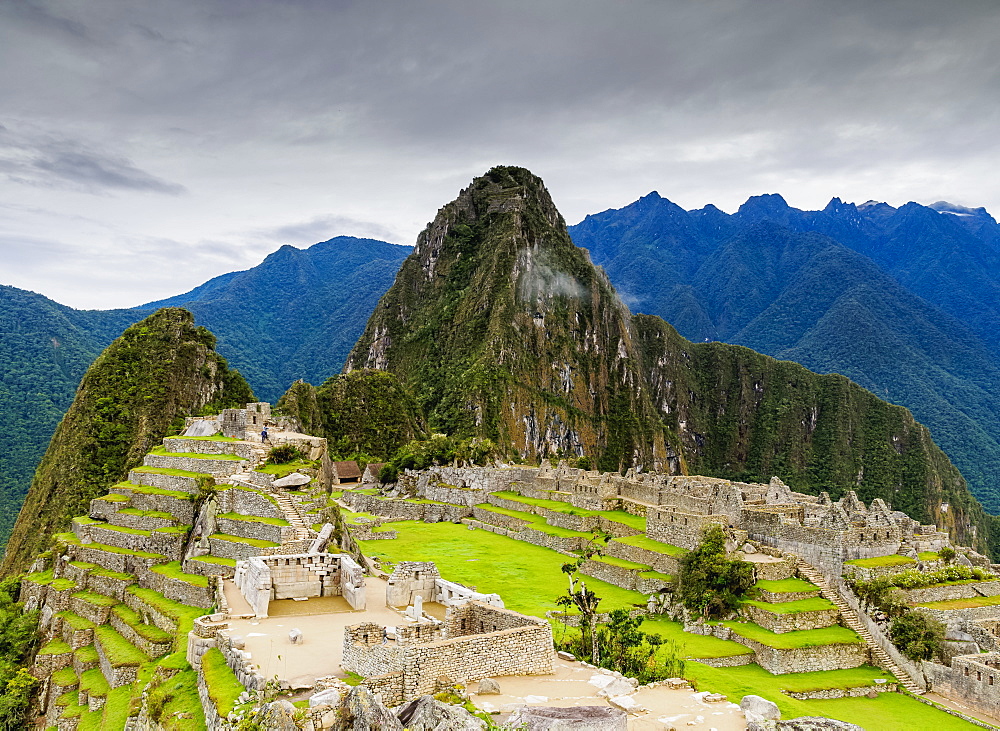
(852, 620)
(292, 514)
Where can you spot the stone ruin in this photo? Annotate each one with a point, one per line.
(413, 580)
(263, 578)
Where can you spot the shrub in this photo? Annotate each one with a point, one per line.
(947, 554)
(283, 454)
(710, 583)
(917, 635)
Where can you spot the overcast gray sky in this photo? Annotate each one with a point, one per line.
(148, 146)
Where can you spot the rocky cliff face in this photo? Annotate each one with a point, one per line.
(159, 369)
(502, 328)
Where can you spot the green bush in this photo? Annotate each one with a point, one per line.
(283, 454)
(710, 583)
(917, 635)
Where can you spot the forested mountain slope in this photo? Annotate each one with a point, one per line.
(765, 278)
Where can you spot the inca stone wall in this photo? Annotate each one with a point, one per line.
(791, 621)
(971, 679)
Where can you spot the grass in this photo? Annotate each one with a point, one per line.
(116, 708)
(880, 561)
(160, 451)
(43, 578)
(119, 651)
(650, 545)
(622, 563)
(171, 471)
(254, 519)
(147, 631)
(835, 635)
(65, 677)
(109, 574)
(813, 604)
(98, 600)
(173, 570)
(537, 522)
(223, 686)
(130, 531)
(76, 621)
(113, 498)
(695, 646)
(179, 694)
(255, 542)
(182, 614)
(558, 506)
(283, 470)
(219, 560)
(86, 655)
(888, 712)
(55, 647)
(470, 558)
(147, 490)
(219, 438)
(63, 584)
(94, 683)
(971, 603)
(786, 586)
(929, 556)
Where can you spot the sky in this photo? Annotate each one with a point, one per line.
(146, 147)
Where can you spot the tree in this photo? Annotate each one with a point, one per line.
(947, 554)
(710, 583)
(917, 635)
(584, 599)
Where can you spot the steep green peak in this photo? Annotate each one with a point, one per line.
(502, 328)
(158, 370)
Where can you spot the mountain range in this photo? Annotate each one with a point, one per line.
(902, 301)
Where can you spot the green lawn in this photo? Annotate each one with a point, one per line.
(786, 586)
(650, 545)
(536, 521)
(526, 576)
(813, 604)
(283, 470)
(880, 561)
(888, 712)
(695, 646)
(160, 451)
(618, 516)
(835, 635)
(976, 601)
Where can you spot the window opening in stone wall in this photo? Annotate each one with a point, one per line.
(991, 680)
(967, 672)
(979, 675)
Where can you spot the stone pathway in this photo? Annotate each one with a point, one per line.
(851, 620)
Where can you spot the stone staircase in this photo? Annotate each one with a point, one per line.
(293, 515)
(852, 620)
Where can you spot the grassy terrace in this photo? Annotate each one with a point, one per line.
(283, 470)
(218, 438)
(160, 451)
(618, 516)
(469, 557)
(835, 635)
(65, 677)
(173, 570)
(119, 651)
(218, 560)
(76, 621)
(146, 513)
(146, 490)
(93, 682)
(223, 687)
(650, 545)
(98, 600)
(929, 556)
(255, 542)
(254, 519)
(72, 539)
(170, 471)
(182, 614)
(814, 604)
(786, 586)
(147, 631)
(86, 654)
(971, 603)
(881, 561)
(55, 647)
(622, 563)
(537, 522)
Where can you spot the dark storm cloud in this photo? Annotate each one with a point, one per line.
(363, 117)
(49, 161)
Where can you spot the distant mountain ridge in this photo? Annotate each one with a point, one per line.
(867, 291)
(296, 315)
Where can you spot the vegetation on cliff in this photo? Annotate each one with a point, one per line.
(362, 412)
(158, 370)
(503, 329)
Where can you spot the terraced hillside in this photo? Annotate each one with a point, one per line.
(121, 592)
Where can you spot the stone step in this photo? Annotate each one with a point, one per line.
(852, 621)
